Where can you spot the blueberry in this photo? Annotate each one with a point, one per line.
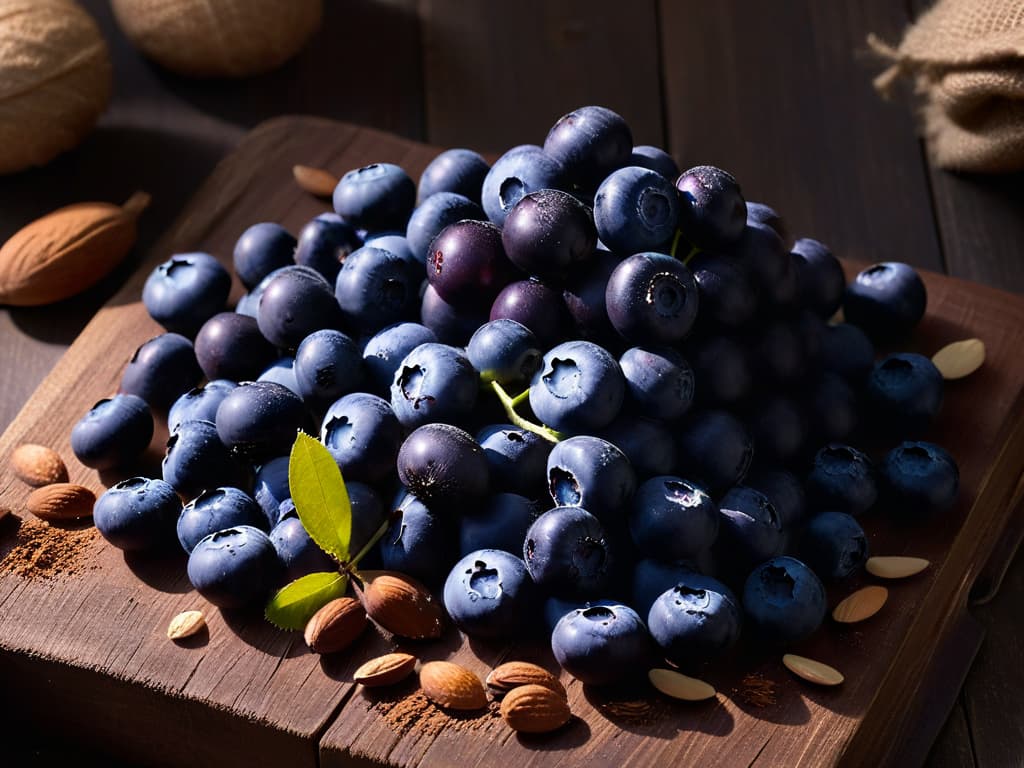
(713, 212)
(656, 159)
(298, 552)
(235, 568)
(214, 510)
(555, 608)
(750, 529)
(694, 620)
(549, 232)
(727, 296)
(579, 387)
(886, 300)
(777, 353)
(114, 432)
(784, 490)
(185, 291)
(769, 266)
(517, 459)
(376, 197)
(467, 265)
(520, 171)
(282, 371)
(649, 445)
(847, 351)
(784, 600)
(713, 449)
(904, 394)
(833, 409)
(535, 305)
(504, 351)
(843, 479)
(260, 419)
(449, 324)
(584, 297)
(363, 435)
(249, 303)
(589, 472)
(137, 514)
(196, 459)
(435, 382)
(260, 250)
(433, 215)
(501, 523)
(636, 209)
(327, 366)
(199, 403)
(920, 480)
(461, 171)
(820, 277)
(386, 349)
(324, 244)
(443, 465)
(834, 545)
(602, 643)
(759, 213)
(375, 288)
(779, 429)
(659, 382)
(398, 244)
(652, 298)
(296, 302)
(672, 519)
(417, 542)
(723, 368)
(368, 515)
(230, 346)
(590, 143)
(271, 489)
(651, 578)
(161, 370)
(489, 594)
(567, 554)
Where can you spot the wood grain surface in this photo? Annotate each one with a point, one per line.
(252, 692)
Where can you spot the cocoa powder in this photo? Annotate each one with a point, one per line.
(415, 711)
(44, 551)
(757, 691)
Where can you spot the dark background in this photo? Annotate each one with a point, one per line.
(779, 93)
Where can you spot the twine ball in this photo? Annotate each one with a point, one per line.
(218, 38)
(55, 80)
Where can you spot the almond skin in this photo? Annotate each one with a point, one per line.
(335, 626)
(400, 604)
(61, 501)
(512, 674)
(316, 181)
(185, 624)
(534, 709)
(385, 670)
(38, 465)
(453, 687)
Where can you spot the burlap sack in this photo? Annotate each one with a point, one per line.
(966, 58)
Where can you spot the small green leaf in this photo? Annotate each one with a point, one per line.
(319, 495)
(294, 604)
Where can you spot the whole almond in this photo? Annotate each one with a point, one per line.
(680, 686)
(185, 624)
(534, 709)
(67, 251)
(861, 605)
(400, 604)
(959, 359)
(812, 671)
(512, 674)
(452, 686)
(38, 465)
(895, 567)
(385, 670)
(61, 501)
(316, 181)
(335, 626)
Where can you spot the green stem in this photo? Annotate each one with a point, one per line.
(350, 566)
(693, 252)
(675, 243)
(510, 404)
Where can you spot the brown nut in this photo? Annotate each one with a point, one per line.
(335, 626)
(534, 709)
(452, 686)
(512, 674)
(38, 465)
(400, 604)
(61, 501)
(385, 670)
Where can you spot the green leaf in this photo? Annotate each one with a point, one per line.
(294, 604)
(319, 495)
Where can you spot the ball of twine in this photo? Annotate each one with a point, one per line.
(218, 38)
(55, 80)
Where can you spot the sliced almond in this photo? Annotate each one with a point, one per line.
(38, 465)
(512, 674)
(452, 686)
(861, 605)
(385, 670)
(959, 359)
(316, 181)
(185, 624)
(895, 567)
(680, 686)
(534, 709)
(812, 671)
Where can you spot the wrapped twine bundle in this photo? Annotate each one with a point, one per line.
(966, 58)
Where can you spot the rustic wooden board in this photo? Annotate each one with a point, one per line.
(252, 693)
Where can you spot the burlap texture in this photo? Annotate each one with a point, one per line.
(966, 58)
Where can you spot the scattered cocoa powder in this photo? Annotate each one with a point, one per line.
(758, 691)
(636, 711)
(416, 711)
(45, 551)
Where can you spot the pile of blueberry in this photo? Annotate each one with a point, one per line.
(582, 384)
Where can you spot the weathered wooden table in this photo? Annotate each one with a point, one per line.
(781, 96)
